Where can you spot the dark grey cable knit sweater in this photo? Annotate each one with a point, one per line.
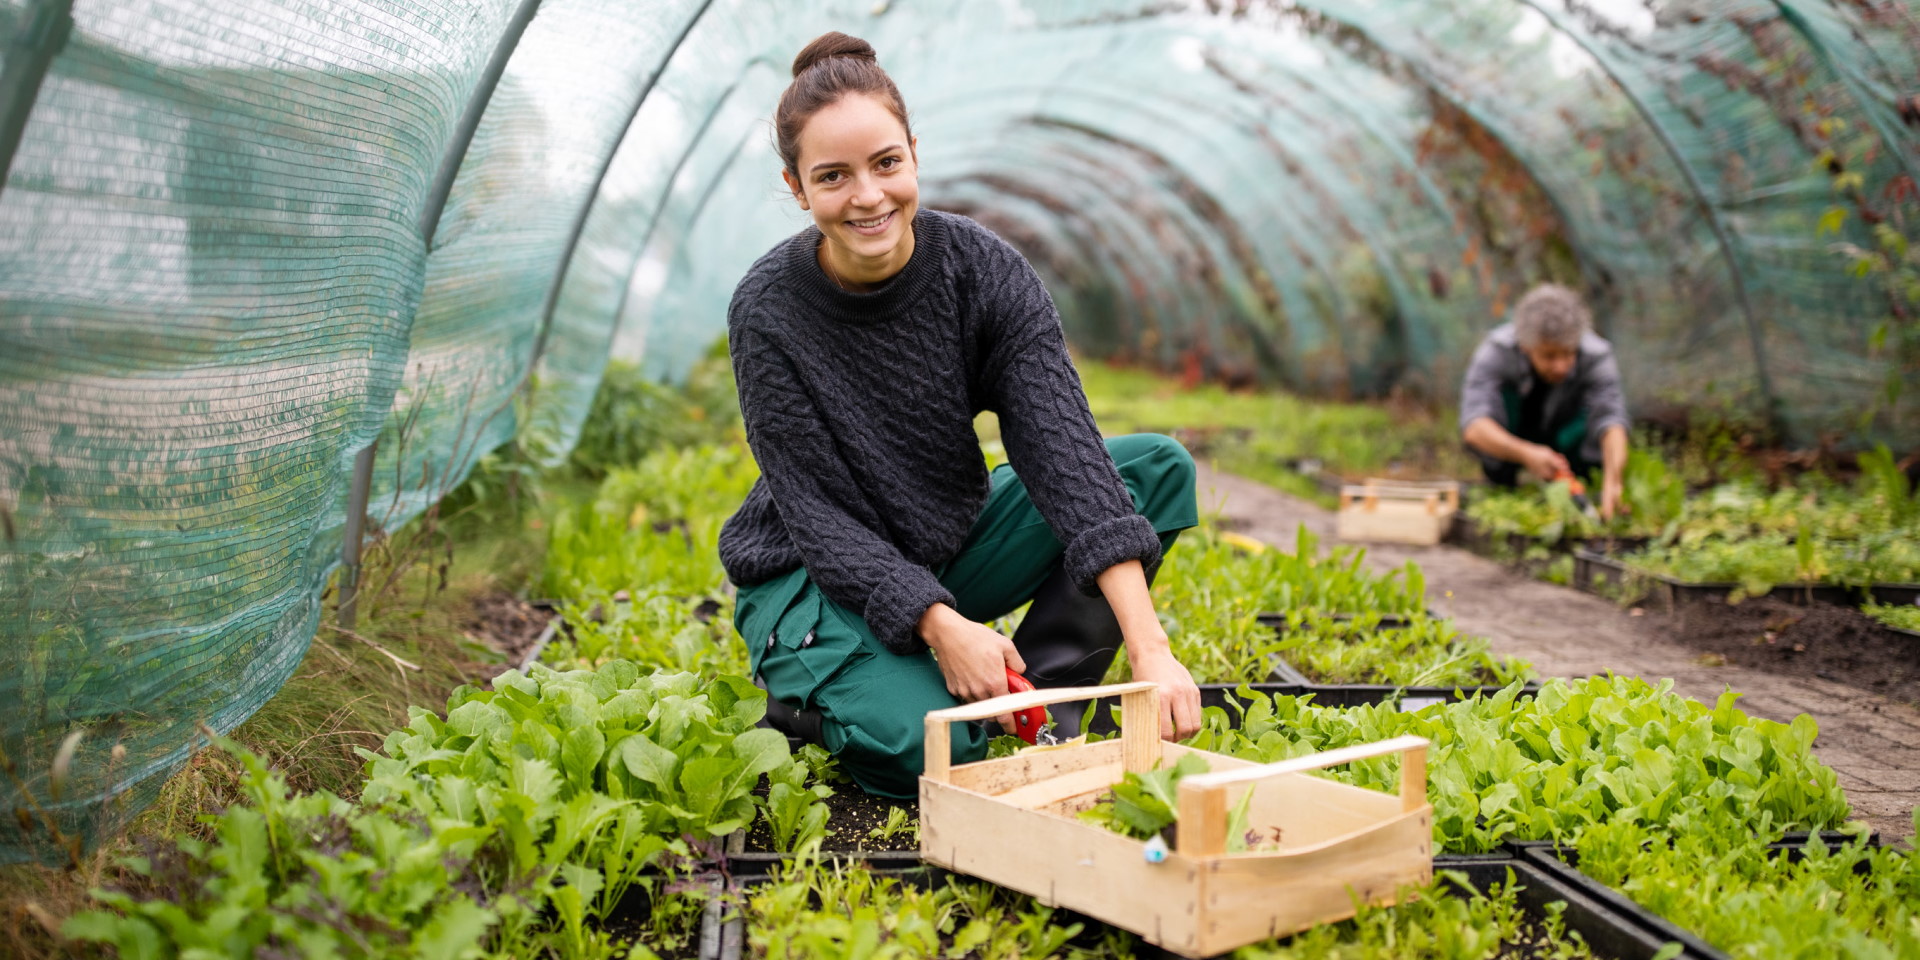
(859, 408)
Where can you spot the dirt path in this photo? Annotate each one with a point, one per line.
(1871, 742)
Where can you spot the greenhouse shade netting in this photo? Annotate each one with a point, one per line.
(251, 245)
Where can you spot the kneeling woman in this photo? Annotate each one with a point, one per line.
(875, 543)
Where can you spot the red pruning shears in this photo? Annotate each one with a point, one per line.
(1030, 724)
(1579, 491)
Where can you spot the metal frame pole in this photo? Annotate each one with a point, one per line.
(29, 54)
(351, 540)
(430, 213)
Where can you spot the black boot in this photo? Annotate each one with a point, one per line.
(802, 724)
(1068, 639)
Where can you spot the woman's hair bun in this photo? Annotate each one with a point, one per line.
(833, 44)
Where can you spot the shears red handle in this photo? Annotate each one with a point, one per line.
(1574, 486)
(1027, 723)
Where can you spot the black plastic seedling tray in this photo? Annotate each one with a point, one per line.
(1469, 535)
(1387, 621)
(1591, 568)
(1564, 864)
(1648, 926)
(1285, 674)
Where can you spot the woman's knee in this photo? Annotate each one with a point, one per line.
(1161, 474)
(1152, 457)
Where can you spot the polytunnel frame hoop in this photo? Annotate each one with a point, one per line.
(593, 195)
(360, 490)
(30, 54)
(666, 193)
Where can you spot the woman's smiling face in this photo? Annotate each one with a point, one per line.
(860, 178)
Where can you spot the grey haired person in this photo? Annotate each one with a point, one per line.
(1543, 395)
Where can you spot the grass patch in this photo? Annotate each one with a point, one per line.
(348, 692)
(1268, 435)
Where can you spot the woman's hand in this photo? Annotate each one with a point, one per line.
(1179, 695)
(1148, 650)
(973, 657)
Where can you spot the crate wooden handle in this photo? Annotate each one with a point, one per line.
(1203, 796)
(1139, 742)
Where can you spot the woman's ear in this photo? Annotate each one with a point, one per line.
(793, 186)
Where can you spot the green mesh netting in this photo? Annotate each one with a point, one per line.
(216, 288)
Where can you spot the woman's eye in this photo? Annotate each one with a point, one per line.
(829, 176)
(889, 163)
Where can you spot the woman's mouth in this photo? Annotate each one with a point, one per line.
(874, 227)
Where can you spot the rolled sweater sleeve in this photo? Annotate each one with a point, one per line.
(1049, 433)
(818, 501)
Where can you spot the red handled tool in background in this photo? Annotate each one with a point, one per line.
(1030, 724)
(1579, 491)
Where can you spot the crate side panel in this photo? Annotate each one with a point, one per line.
(1252, 897)
(1062, 863)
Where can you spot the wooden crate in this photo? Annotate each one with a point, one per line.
(1012, 822)
(1395, 511)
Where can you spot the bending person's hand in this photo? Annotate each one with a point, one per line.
(1545, 462)
(973, 657)
(1179, 695)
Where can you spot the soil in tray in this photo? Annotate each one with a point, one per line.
(506, 623)
(1821, 640)
(851, 813)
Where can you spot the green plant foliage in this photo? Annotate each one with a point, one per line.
(1144, 804)
(1850, 902)
(793, 812)
(813, 910)
(1883, 482)
(899, 824)
(1260, 434)
(1582, 752)
(307, 876)
(1425, 652)
(633, 416)
(1211, 590)
(1431, 924)
(590, 759)
(1902, 616)
(1759, 564)
(1652, 494)
(654, 526)
(654, 630)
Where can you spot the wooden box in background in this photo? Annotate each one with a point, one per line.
(1397, 511)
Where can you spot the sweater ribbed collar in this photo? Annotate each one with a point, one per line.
(802, 268)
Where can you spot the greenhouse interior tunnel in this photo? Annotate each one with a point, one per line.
(281, 272)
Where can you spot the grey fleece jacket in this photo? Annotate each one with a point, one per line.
(859, 408)
(1593, 385)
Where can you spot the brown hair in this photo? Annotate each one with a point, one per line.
(829, 68)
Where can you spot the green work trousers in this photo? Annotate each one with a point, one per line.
(1568, 439)
(814, 654)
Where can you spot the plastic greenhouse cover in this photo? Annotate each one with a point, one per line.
(216, 287)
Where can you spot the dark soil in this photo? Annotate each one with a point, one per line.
(1821, 640)
(507, 624)
(851, 813)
